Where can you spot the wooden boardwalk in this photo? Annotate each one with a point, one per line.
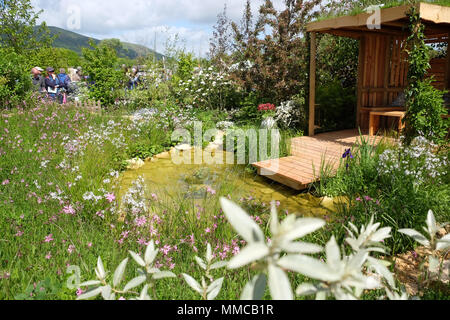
(308, 154)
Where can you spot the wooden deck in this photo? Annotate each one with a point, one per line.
(307, 156)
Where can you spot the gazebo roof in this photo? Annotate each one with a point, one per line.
(394, 21)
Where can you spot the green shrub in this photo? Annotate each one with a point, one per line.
(424, 103)
(15, 80)
(425, 108)
(101, 65)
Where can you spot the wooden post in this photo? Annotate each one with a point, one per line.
(447, 69)
(312, 85)
(361, 70)
(387, 67)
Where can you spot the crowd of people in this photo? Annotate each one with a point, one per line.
(59, 87)
(55, 86)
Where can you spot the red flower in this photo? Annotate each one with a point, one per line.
(266, 107)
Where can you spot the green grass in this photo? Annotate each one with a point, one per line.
(45, 173)
(36, 189)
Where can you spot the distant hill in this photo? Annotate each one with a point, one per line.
(74, 41)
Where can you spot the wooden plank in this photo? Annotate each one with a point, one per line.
(434, 13)
(298, 171)
(387, 65)
(312, 85)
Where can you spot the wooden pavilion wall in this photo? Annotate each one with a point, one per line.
(382, 74)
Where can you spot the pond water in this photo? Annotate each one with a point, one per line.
(169, 180)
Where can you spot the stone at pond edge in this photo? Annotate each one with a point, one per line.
(135, 164)
(164, 155)
(328, 203)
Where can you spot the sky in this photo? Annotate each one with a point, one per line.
(143, 21)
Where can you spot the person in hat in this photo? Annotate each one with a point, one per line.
(37, 79)
(51, 83)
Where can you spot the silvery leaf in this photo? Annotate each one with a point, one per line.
(301, 247)
(163, 274)
(151, 270)
(241, 222)
(200, 262)
(118, 274)
(193, 283)
(333, 253)
(382, 270)
(255, 288)
(218, 265)
(381, 234)
(416, 236)
(90, 294)
(376, 249)
(280, 288)
(214, 289)
(306, 289)
(137, 258)
(144, 293)
(443, 243)
(273, 218)
(150, 253)
(321, 295)
(100, 270)
(90, 283)
(252, 252)
(208, 253)
(135, 282)
(431, 223)
(309, 267)
(302, 227)
(106, 292)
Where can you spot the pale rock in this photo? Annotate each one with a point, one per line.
(135, 164)
(164, 155)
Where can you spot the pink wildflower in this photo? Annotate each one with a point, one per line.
(110, 197)
(71, 248)
(49, 238)
(69, 210)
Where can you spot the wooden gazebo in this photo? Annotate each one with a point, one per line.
(382, 77)
(382, 68)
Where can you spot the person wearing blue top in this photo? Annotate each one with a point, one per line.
(64, 79)
(51, 84)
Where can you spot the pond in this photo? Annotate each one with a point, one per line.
(197, 182)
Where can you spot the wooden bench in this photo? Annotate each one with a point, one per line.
(374, 120)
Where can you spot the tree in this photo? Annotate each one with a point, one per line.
(54, 57)
(18, 28)
(220, 42)
(15, 80)
(101, 64)
(272, 53)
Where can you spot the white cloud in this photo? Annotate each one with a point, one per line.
(138, 20)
